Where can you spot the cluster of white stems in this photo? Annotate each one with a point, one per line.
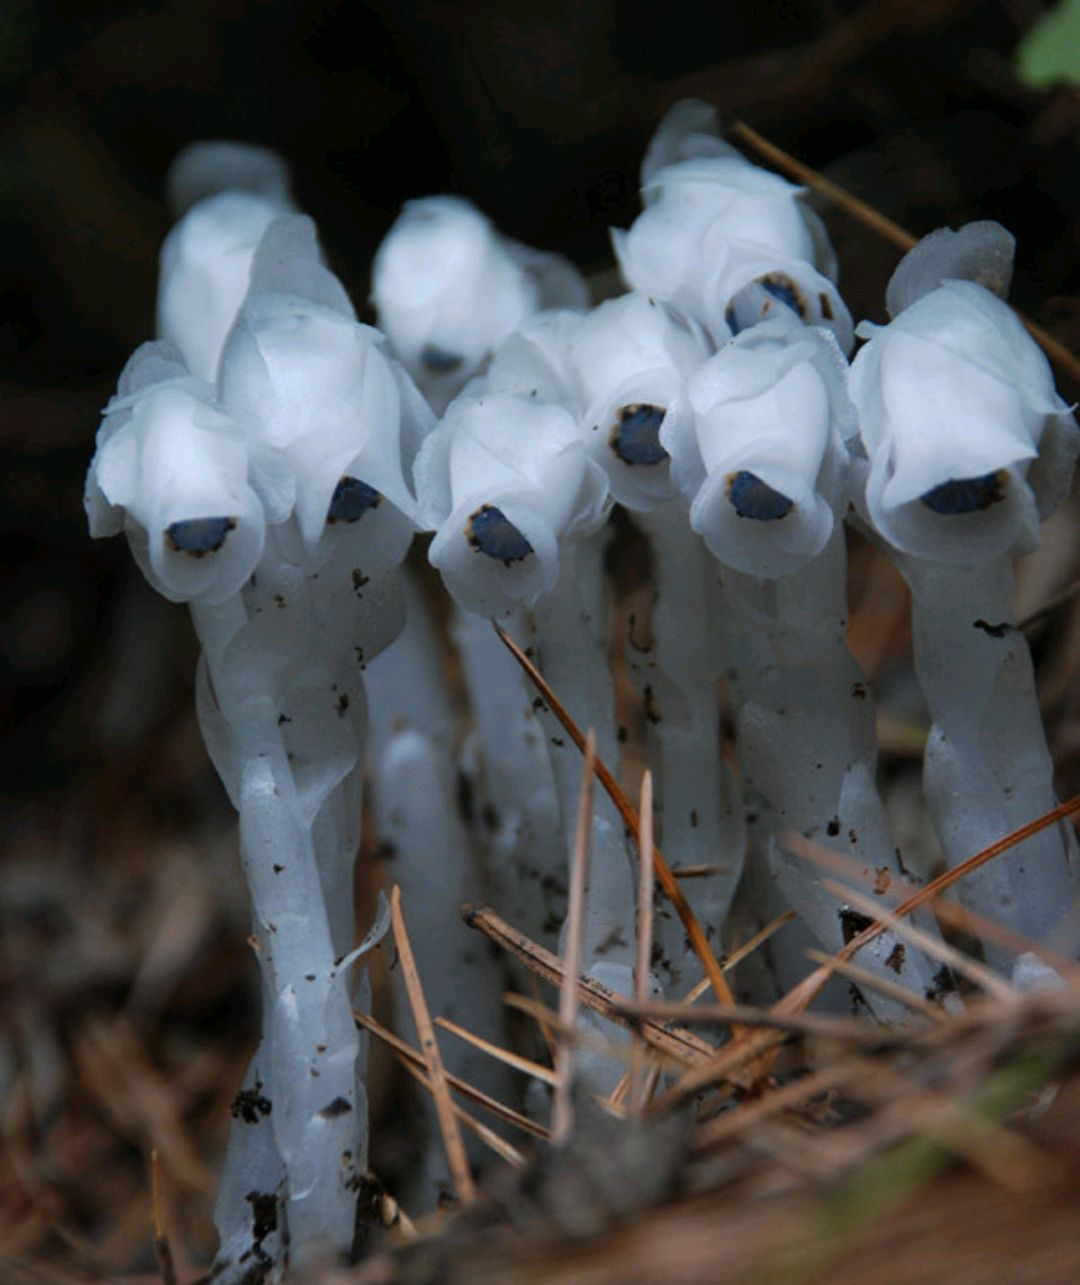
(270, 459)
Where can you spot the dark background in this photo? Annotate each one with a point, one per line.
(116, 835)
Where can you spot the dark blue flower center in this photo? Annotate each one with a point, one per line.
(753, 498)
(964, 495)
(351, 500)
(198, 536)
(439, 360)
(635, 439)
(490, 532)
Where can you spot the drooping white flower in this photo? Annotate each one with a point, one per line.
(620, 368)
(303, 377)
(448, 289)
(227, 195)
(761, 458)
(967, 441)
(714, 223)
(177, 474)
(503, 480)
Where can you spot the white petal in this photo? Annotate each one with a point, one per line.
(205, 269)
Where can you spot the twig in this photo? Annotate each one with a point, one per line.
(864, 977)
(562, 1119)
(162, 1248)
(833, 1028)
(444, 1108)
(668, 882)
(982, 976)
(884, 227)
(503, 1149)
(506, 1056)
(681, 1046)
(408, 1054)
(1050, 606)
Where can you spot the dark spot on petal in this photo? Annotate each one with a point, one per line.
(635, 436)
(439, 360)
(852, 923)
(490, 532)
(964, 495)
(942, 984)
(781, 287)
(753, 498)
(351, 500)
(993, 631)
(896, 959)
(339, 1106)
(198, 536)
(833, 828)
(826, 306)
(250, 1104)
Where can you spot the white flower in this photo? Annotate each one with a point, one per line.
(620, 369)
(177, 473)
(448, 289)
(956, 402)
(761, 459)
(503, 480)
(303, 377)
(212, 166)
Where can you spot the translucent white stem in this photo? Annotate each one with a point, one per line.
(517, 806)
(282, 708)
(987, 768)
(429, 854)
(572, 640)
(806, 739)
(699, 808)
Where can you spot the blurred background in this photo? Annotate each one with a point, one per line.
(124, 978)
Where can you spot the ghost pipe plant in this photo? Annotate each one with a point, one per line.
(448, 289)
(762, 460)
(220, 497)
(518, 509)
(714, 224)
(621, 370)
(967, 446)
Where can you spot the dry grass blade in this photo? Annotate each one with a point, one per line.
(668, 882)
(864, 977)
(832, 1028)
(679, 1045)
(643, 962)
(800, 996)
(503, 1149)
(965, 920)
(444, 1108)
(506, 1056)
(563, 1112)
(407, 1054)
(982, 976)
(742, 1118)
(162, 1248)
(885, 227)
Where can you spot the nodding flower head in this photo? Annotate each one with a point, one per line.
(448, 289)
(177, 474)
(303, 378)
(967, 442)
(761, 458)
(504, 480)
(620, 369)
